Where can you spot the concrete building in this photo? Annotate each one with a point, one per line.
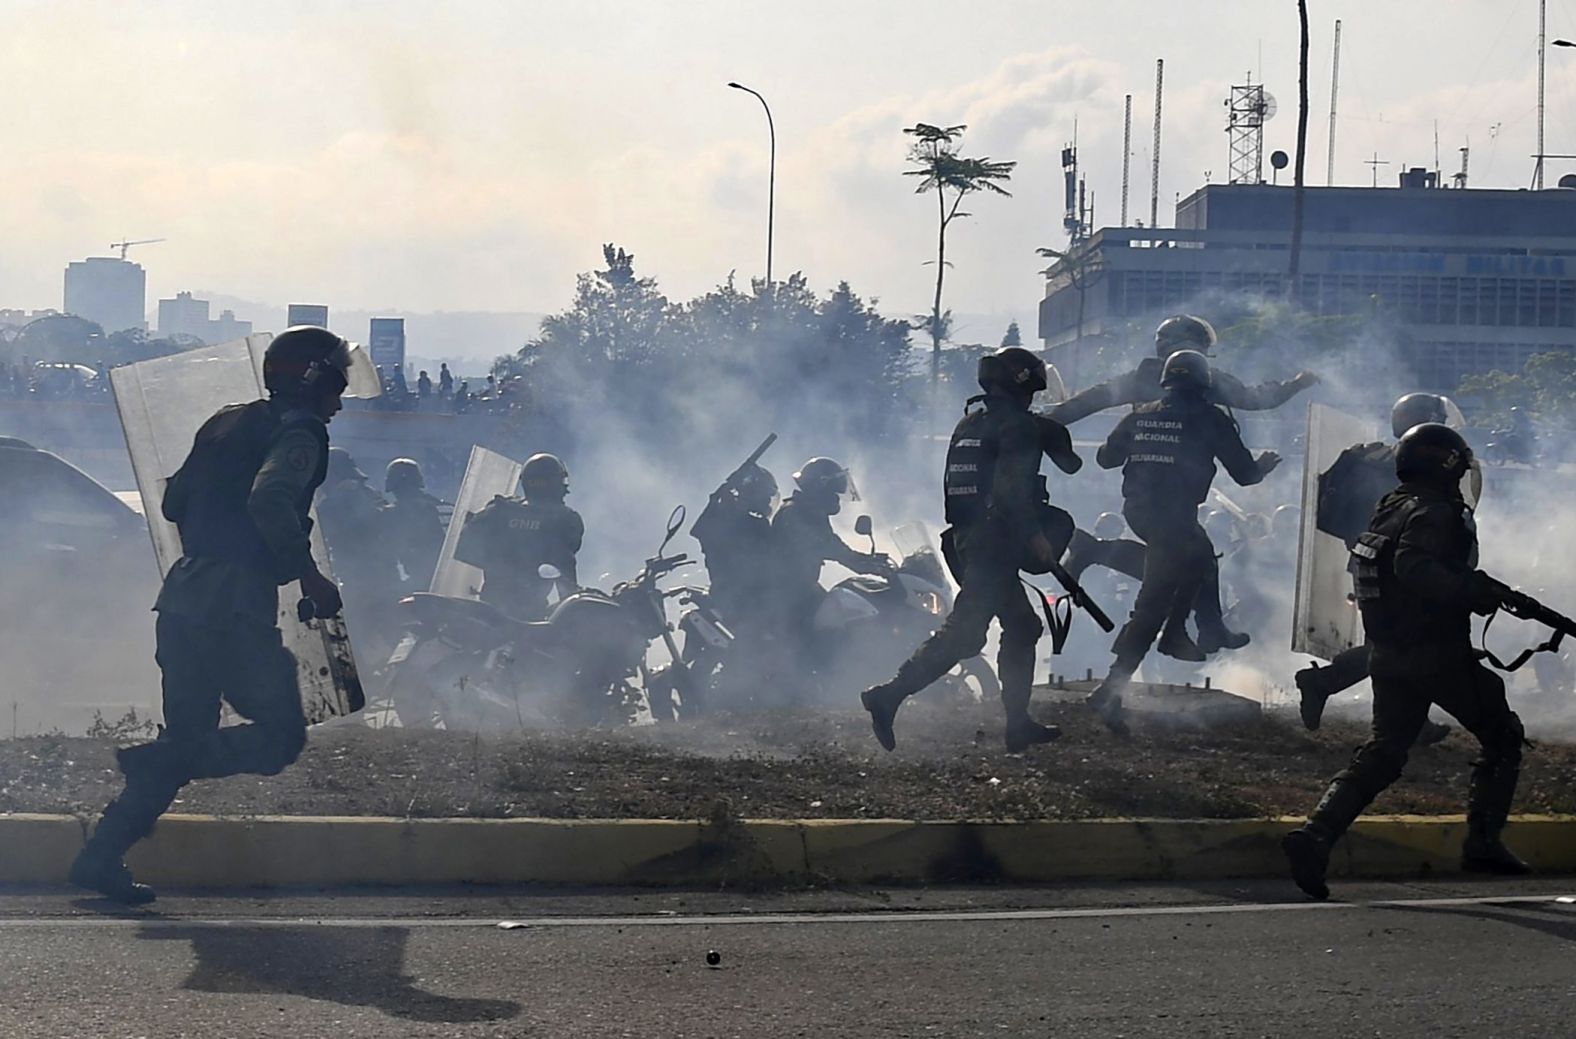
(306, 314)
(1473, 280)
(186, 315)
(110, 292)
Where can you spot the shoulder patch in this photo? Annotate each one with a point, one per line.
(299, 458)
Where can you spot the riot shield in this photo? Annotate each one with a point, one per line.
(488, 474)
(1325, 620)
(162, 403)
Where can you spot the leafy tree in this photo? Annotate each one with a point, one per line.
(1012, 337)
(780, 353)
(1545, 386)
(952, 177)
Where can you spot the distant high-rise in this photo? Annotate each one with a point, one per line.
(108, 292)
(306, 314)
(186, 315)
(386, 342)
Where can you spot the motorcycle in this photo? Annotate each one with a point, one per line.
(869, 624)
(465, 664)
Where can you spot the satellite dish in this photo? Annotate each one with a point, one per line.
(1280, 160)
(1568, 181)
(1267, 107)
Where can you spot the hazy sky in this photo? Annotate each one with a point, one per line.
(475, 155)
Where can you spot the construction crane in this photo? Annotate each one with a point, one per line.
(123, 246)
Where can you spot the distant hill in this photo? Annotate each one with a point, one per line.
(472, 337)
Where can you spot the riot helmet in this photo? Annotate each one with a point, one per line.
(825, 481)
(757, 490)
(308, 362)
(544, 476)
(1184, 332)
(341, 466)
(403, 474)
(1415, 409)
(1432, 452)
(1012, 370)
(1186, 370)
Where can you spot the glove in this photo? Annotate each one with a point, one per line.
(1483, 597)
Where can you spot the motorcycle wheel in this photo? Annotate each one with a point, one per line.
(982, 675)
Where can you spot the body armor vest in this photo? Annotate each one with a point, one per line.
(971, 465)
(207, 497)
(1390, 615)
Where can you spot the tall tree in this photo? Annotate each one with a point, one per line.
(1302, 151)
(952, 177)
(1012, 337)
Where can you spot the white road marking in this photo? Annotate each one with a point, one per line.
(134, 918)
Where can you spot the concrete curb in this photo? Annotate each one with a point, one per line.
(278, 851)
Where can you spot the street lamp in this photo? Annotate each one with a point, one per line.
(1562, 43)
(771, 188)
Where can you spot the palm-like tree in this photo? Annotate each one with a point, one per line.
(952, 177)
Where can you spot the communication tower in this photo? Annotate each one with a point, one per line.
(1248, 108)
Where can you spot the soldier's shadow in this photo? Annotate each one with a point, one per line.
(353, 966)
(1552, 920)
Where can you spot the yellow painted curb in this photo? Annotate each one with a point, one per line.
(279, 851)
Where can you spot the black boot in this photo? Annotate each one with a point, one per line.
(1308, 847)
(882, 701)
(1309, 857)
(1106, 700)
(100, 866)
(1175, 644)
(1025, 732)
(1312, 696)
(1212, 638)
(1488, 806)
(1433, 732)
(99, 869)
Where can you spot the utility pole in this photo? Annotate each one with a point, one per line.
(1375, 163)
(1127, 151)
(1335, 89)
(1154, 169)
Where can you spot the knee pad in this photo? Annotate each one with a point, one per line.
(1503, 750)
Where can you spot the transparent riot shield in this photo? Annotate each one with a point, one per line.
(488, 474)
(1325, 620)
(162, 403)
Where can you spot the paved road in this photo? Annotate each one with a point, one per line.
(1439, 959)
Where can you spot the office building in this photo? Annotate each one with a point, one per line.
(1472, 280)
(186, 315)
(109, 292)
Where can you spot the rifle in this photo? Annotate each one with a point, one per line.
(1080, 597)
(1525, 607)
(746, 465)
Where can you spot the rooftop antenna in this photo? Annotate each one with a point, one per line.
(127, 244)
(1436, 151)
(1335, 89)
(1154, 169)
(1072, 208)
(1461, 178)
(1127, 150)
(1375, 163)
(1543, 46)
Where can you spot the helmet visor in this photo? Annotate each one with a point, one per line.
(361, 375)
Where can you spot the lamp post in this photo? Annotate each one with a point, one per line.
(771, 187)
